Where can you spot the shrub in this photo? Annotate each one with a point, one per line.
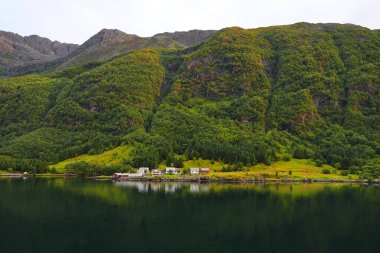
(353, 169)
(178, 163)
(227, 169)
(326, 171)
(319, 163)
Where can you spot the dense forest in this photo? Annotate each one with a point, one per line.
(243, 96)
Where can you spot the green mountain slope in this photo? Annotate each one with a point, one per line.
(243, 96)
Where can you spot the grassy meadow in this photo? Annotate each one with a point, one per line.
(110, 157)
(295, 169)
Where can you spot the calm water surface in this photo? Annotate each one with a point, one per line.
(58, 215)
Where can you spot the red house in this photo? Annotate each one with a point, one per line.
(120, 175)
(205, 171)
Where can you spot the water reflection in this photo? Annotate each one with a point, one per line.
(167, 187)
(77, 215)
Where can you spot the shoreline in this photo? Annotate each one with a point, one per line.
(244, 180)
(202, 179)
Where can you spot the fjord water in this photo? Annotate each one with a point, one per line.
(62, 215)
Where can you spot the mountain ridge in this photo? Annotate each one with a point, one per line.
(102, 46)
(18, 51)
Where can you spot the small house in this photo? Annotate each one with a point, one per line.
(205, 170)
(143, 170)
(156, 172)
(172, 170)
(194, 171)
(120, 175)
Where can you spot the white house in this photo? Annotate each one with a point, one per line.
(172, 170)
(194, 171)
(156, 172)
(143, 170)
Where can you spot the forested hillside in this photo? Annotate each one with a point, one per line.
(243, 96)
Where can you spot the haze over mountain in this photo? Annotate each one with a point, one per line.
(249, 96)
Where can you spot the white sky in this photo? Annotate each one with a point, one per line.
(77, 20)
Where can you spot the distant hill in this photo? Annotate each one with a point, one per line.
(22, 55)
(17, 51)
(242, 96)
(111, 42)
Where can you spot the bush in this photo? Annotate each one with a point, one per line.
(301, 152)
(353, 169)
(286, 158)
(370, 171)
(326, 171)
(337, 166)
(227, 169)
(344, 173)
(178, 163)
(319, 163)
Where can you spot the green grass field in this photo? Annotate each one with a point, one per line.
(110, 157)
(300, 169)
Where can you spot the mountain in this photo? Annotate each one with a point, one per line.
(30, 54)
(243, 96)
(111, 42)
(17, 51)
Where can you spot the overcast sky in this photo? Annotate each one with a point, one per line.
(77, 20)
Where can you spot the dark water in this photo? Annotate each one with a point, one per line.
(57, 215)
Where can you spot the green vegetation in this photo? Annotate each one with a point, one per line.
(244, 98)
(87, 169)
(111, 157)
(23, 165)
(326, 171)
